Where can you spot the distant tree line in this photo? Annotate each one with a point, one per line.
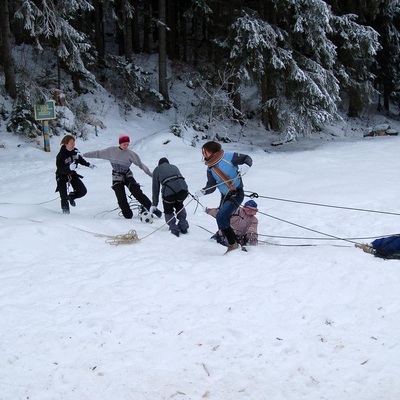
(306, 57)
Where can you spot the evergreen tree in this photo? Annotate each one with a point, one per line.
(51, 25)
(387, 23)
(6, 54)
(293, 62)
(357, 46)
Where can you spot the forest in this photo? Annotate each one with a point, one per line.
(309, 61)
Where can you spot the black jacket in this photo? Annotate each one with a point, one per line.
(65, 158)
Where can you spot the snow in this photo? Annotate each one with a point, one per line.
(175, 318)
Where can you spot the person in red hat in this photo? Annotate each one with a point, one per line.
(121, 158)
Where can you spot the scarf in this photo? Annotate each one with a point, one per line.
(212, 163)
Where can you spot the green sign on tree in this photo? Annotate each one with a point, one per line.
(45, 111)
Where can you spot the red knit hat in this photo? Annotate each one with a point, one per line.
(124, 138)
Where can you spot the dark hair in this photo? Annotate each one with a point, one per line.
(212, 147)
(163, 160)
(66, 139)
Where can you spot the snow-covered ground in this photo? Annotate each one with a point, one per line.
(175, 318)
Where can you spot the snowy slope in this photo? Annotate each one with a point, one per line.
(174, 318)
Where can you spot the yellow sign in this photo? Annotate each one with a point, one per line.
(45, 111)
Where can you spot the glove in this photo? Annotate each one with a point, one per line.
(92, 166)
(72, 166)
(152, 209)
(199, 193)
(243, 169)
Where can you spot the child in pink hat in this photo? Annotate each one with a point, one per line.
(121, 159)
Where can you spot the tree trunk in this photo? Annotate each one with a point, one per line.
(147, 28)
(234, 94)
(183, 23)
(387, 91)
(99, 30)
(128, 38)
(162, 52)
(136, 30)
(6, 54)
(173, 36)
(269, 116)
(355, 104)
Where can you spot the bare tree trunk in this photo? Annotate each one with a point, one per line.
(387, 91)
(173, 37)
(136, 29)
(128, 39)
(6, 55)
(184, 37)
(162, 51)
(147, 29)
(355, 104)
(99, 30)
(269, 115)
(234, 94)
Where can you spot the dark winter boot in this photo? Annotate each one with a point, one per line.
(64, 207)
(230, 235)
(182, 222)
(171, 221)
(157, 212)
(71, 199)
(231, 238)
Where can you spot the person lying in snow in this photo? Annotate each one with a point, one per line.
(386, 247)
(244, 223)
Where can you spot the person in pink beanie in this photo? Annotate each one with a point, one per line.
(121, 158)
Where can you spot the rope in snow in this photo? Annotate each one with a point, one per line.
(30, 204)
(125, 238)
(321, 238)
(166, 222)
(329, 237)
(309, 229)
(255, 195)
(132, 236)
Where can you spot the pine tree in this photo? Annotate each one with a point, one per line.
(293, 61)
(6, 54)
(387, 23)
(51, 25)
(357, 46)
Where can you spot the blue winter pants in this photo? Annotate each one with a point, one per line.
(229, 204)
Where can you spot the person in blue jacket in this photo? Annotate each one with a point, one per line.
(224, 172)
(386, 247)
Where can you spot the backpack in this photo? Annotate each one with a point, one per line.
(387, 247)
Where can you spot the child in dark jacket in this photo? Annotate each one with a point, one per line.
(174, 191)
(67, 161)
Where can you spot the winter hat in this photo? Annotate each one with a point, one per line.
(124, 138)
(163, 160)
(250, 203)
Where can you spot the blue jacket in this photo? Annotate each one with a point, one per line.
(229, 166)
